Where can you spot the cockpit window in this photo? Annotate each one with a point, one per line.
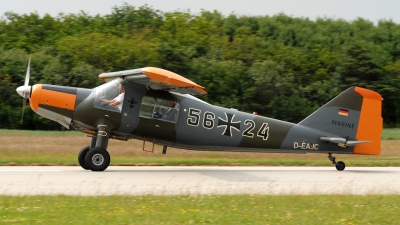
(109, 96)
(158, 108)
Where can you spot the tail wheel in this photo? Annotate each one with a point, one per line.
(340, 166)
(97, 159)
(81, 157)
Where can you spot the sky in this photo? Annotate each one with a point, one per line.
(372, 10)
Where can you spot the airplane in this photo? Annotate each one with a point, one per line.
(158, 105)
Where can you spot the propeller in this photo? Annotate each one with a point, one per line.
(25, 91)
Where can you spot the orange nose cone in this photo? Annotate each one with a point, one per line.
(35, 96)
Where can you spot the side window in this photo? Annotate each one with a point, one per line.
(158, 108)
(109, 96)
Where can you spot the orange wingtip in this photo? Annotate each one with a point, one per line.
(370, 124)
(171, 78)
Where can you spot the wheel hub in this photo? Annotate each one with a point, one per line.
(97, 159)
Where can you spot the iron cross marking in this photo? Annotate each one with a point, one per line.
(132, 102)
(228, 124)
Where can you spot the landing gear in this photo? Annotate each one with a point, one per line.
(81, 157)
(97, 159)
(164, 150)
(339, 165)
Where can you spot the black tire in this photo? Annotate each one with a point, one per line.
(97, 159)
(81, 157)
(340, 166)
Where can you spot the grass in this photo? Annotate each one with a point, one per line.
(61, 148)
(391, 134)
(213, 209)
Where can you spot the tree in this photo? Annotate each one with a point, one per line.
(172, 57)
(359, 69)
(280, 66)
(226, 82)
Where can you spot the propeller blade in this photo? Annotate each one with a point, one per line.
(25, 90)
(28, 72)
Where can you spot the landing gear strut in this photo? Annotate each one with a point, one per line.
(339, 165)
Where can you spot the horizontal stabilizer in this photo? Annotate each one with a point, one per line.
(353, 143)
(337, 140)
(342, 141)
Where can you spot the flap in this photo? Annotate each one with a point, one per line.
(157, 79)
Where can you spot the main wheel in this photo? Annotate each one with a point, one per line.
(97, 159)
(81, 157)
(340, 166)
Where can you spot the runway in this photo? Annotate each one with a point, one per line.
(191, 180)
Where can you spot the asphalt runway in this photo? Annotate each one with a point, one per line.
(191, 180)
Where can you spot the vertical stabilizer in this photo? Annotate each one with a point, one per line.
(355, 115)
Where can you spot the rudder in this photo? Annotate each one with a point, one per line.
(370, 124)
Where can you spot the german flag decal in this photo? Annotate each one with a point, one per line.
(343, 112)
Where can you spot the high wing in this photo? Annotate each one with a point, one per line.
(157, 79)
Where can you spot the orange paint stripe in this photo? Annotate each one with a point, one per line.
(57, 99)
(35, 96)
(170, 78)
(370, 124)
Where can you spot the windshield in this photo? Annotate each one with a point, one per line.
(109, 96)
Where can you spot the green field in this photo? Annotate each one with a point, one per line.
(391, 134)
(62, 148)
(225, 209)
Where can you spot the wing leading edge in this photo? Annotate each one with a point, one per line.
(157, 79)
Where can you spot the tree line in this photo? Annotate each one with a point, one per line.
(280, 66)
